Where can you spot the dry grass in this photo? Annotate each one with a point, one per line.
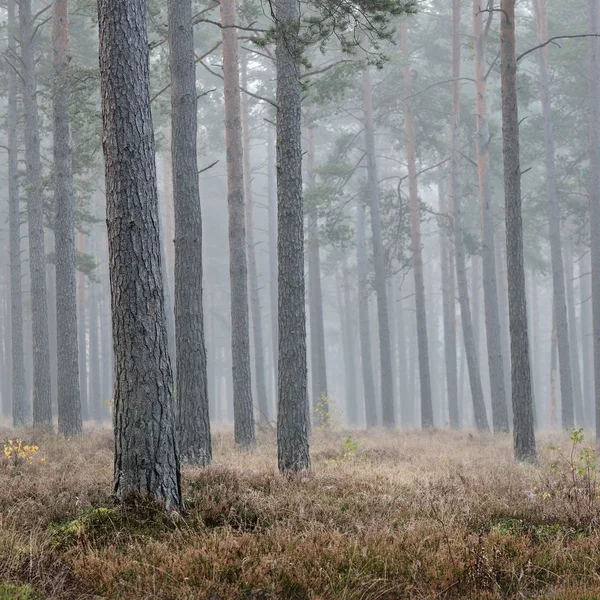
(400, 515)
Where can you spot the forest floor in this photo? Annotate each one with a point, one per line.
(381, 516)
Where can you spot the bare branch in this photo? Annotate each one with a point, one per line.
(552, 40)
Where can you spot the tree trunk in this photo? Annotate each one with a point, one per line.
(146, 450)
(363, 318)
(595, 195)
(415, 222)
(524, 438)
(385, 354)
(403, 346)
(272, 192)
(42, 411)
(587, 337)
(320, 401)
(238, 267)
(346, 324)
(94, 393)
(191, 385)
(81, 331)
(488, 242)
(20, 409)
(255, 306)
(481, 420)
(449, 320)
(558, 276)
(553, 371)
(292, 419)
(69, 398)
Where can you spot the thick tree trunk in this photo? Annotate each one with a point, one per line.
(69, 399)
(488, 242)
(415, 222)
(255, 305)
(449, 320)
(292, 419)
(524, 438)
(42, 412)
(481, 420)
(238, 266)
(370, 397)
(320, 397)
(272, 193)
(385, 354)
(146, 450)
(191, 384)
(558, 276)
(595, 195)
(20, 409)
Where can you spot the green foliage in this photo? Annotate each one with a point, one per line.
(9, 591)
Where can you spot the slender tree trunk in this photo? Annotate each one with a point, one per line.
(20, 409)
(255, 305)
(94, 394)
(504, 326)
(449, 320)
(346, 323)
(587, 337)
(524, 438)
(461, 267)
(69, 399)
(363, 318)
(272, 193)
(292, 419)
(385, 353)
(238, 266)
(488, 242)
(415, 222)
(553, 371)
(320, 400)
(42, 411)
(595, 195)
(81, 331)
(191, 383)
(403, 384)
(146, 449)
(558, 276)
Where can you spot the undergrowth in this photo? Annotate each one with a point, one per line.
(382, 516)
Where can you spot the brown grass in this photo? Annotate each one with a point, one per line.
(404, 515)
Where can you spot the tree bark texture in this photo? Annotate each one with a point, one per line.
(42, 412)
(524, 438)
(292, 419)
(146, 450)
(191, 384)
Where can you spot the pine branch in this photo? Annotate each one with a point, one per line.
(552, 40)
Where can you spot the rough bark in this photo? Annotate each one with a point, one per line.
(558, 275)
(255, 304)
(488, 242)
(20, 409)
(69, 399)
(146, 451)
(191, 384)
(292, 419)
(449, 320)
(595, 195)
(238, 266)
(320, 400)
(42, 413)
(415, 223)
(524, 438)
(370, 397)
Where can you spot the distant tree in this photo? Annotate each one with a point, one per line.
(146, 451)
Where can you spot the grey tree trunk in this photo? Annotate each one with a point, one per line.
(504, 326)
(346, 324)
(238, 266)
(69, 399)
(595, 195)
(524, 437)
(370, 397)
(403, 378)
(449, 320)
(42, 412)
(320, 400)
(385, 353)
(479, 411)
(81, 331)
(272, 192)
(94, 393)
(20, 409)
(292, 419)
(191, 384)
(587, 337)
(558, 275)
(146, 450)
(415, 222)
(255, 305)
